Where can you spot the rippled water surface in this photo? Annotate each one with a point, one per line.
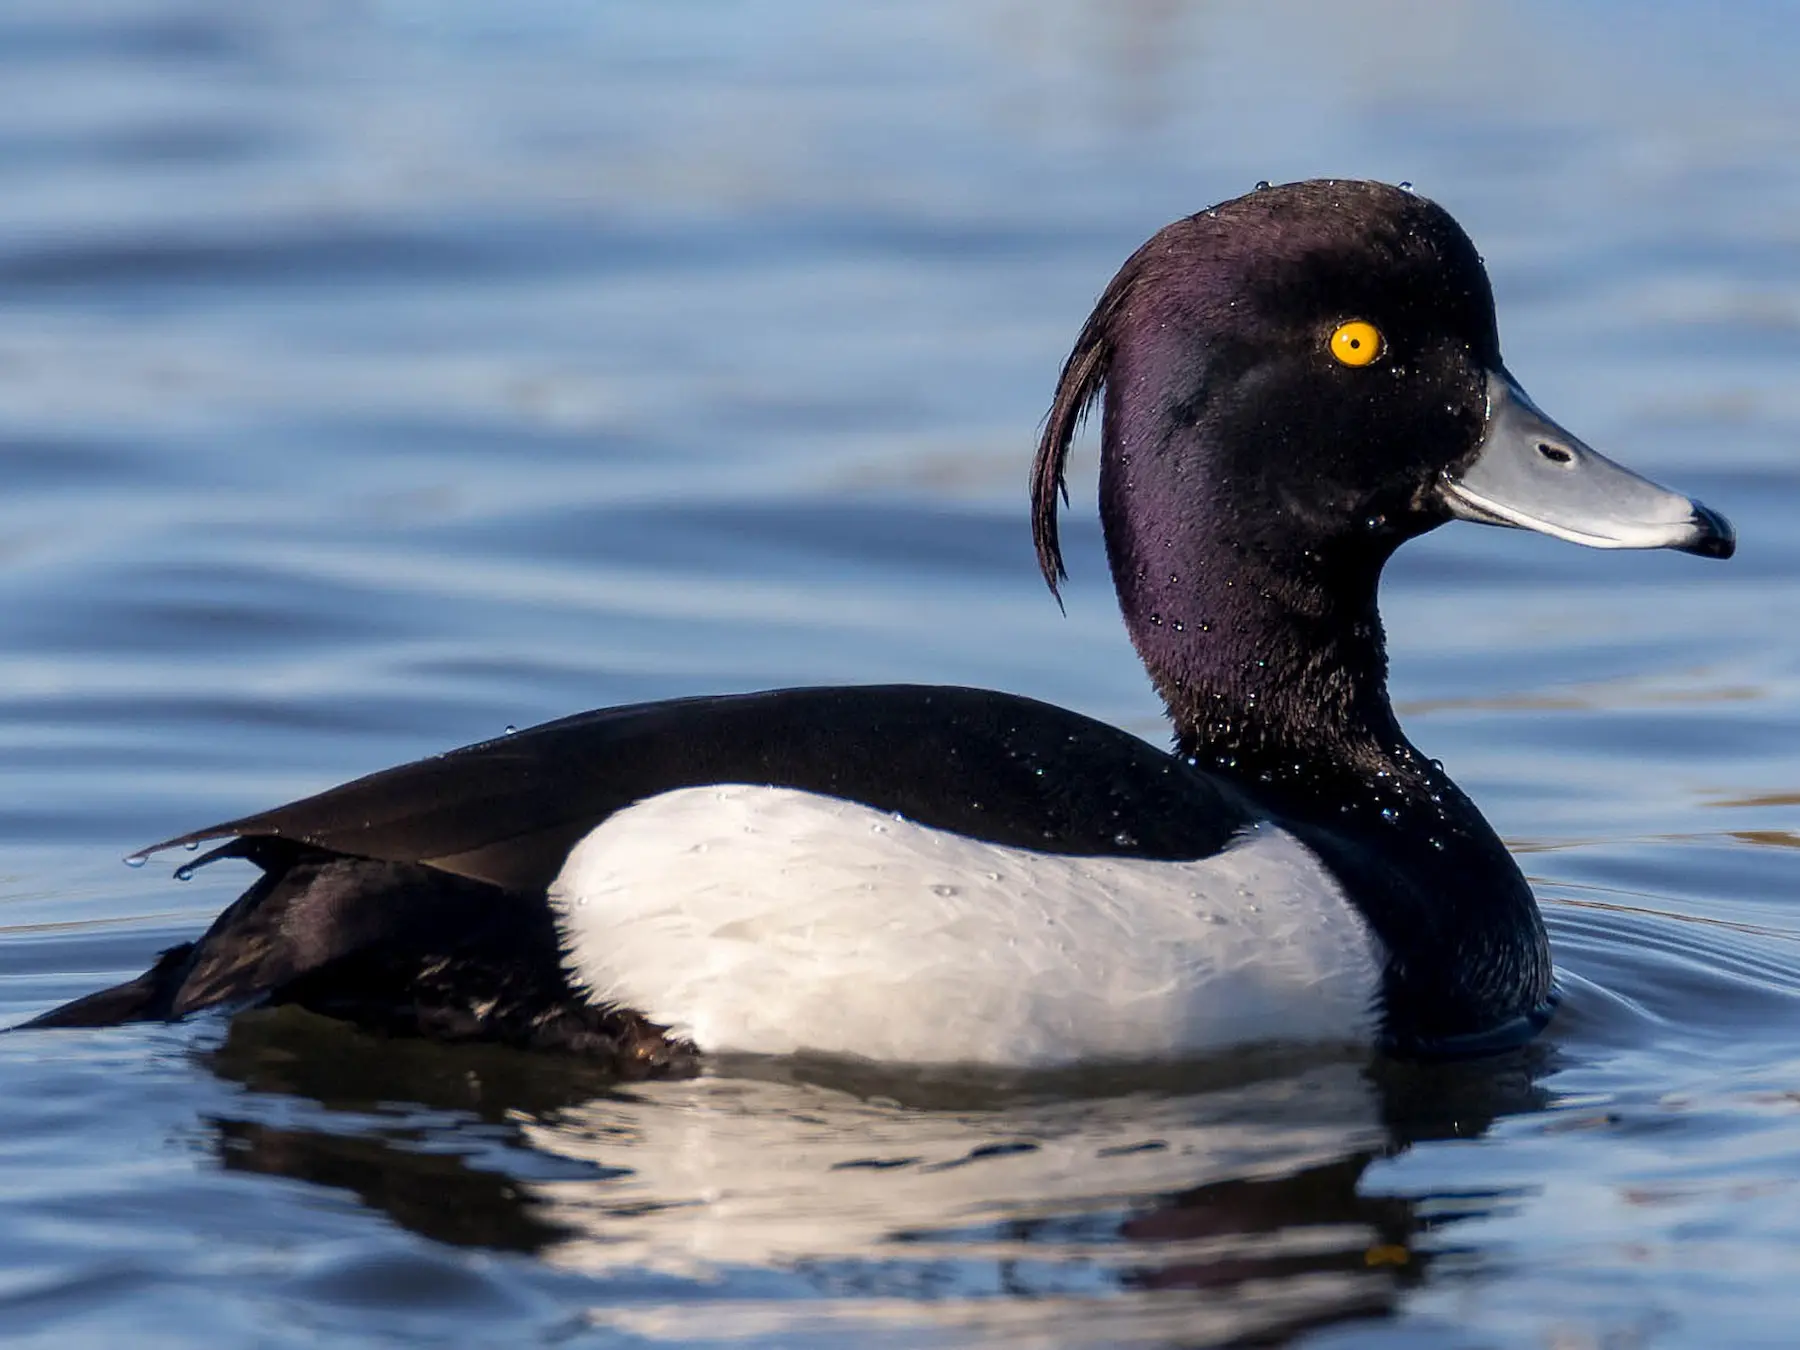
(377, 375)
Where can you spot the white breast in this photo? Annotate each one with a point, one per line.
(768, 920)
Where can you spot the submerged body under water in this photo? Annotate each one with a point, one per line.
(349, 411)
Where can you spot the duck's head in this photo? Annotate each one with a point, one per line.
(1307, 376)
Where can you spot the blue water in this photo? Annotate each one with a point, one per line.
(377, 375)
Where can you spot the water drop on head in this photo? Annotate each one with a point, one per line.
(191, 845)
(511, 730)
(1375, 522)
(1406, 187)
(1125, 839)
(1262, 185)
(944, 890)
(991, 876)
(135, 860)
(1437, 843)
(184, 873)
(1389, 814)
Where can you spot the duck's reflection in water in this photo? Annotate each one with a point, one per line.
(1207, 1202)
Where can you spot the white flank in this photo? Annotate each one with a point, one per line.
(772, 921)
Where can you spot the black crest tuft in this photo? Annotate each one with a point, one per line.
(1083, 377)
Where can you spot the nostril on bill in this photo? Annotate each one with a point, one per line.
(1556, 454)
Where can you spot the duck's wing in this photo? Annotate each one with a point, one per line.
(414, 900)
(988, 765)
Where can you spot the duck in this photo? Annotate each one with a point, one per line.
(1292, 384)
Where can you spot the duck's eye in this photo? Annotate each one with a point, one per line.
(1356, 343)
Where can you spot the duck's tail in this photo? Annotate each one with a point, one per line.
(148, 998)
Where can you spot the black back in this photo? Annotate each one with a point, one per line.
(992, 766)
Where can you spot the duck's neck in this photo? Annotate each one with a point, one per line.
(1267, 650)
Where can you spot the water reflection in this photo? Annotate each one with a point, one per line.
(1228, 1195)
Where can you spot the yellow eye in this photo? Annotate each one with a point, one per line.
(1356, 343)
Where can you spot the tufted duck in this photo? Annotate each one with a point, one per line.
(1295, 383)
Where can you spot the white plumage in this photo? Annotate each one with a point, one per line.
(768, 920)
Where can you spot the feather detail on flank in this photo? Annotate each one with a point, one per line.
(769, 920)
